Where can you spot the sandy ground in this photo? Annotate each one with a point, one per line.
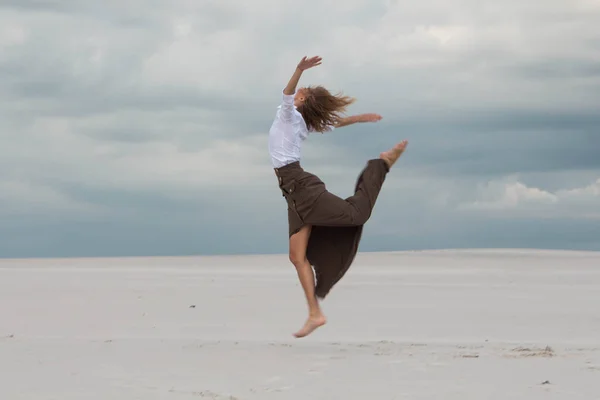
(462, 325)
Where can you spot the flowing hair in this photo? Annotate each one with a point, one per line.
(322, 109)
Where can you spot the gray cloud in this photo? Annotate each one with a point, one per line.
(140, 127)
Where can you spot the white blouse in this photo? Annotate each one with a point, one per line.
(287, 133)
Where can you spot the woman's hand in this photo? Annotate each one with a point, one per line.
(370, 117)
(307, 63)
(303, 65)
(357, 119)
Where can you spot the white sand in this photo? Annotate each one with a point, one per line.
(430, 325)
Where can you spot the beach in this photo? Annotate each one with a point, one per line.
(455, 324)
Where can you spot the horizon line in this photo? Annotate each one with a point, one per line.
(239, 255)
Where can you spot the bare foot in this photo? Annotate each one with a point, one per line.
(393, 154)
(311, 324)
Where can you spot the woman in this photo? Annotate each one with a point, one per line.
(324, 230)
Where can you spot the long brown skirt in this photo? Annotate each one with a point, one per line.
(337, 223)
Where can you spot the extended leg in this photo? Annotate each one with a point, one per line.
(298, 244)
(331, 210)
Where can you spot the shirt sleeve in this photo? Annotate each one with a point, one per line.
(287, 107)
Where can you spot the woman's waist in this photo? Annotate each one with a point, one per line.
(290, 170)
(293, 177)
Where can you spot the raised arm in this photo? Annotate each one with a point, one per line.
(303, 65)
(358, 119)
(287, 104)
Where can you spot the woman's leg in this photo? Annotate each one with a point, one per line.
(331, 210)
(298, 244)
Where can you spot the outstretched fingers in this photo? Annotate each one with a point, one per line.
(307, 63)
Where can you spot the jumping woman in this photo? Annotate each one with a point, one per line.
(324, 230)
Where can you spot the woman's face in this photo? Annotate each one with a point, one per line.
(300, 96)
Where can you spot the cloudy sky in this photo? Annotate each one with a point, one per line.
(137, 127)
